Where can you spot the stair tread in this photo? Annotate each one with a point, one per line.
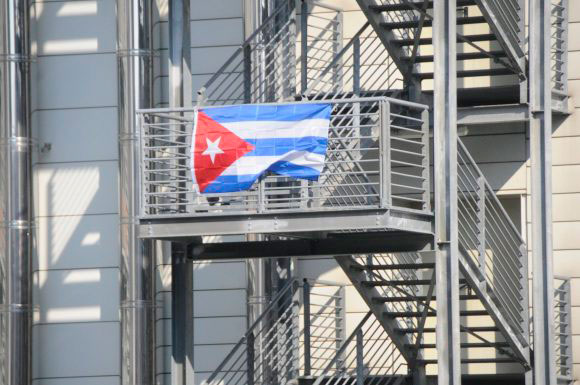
(473, 73)
(419, 4)
(460, 56)
(401, 266)
(462, 313)
(475, 361)
(429, 22)
(475, 329)
(402, 282)
(468, 345)
(417, 298)
(429, 41)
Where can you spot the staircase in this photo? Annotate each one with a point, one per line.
(490, 42)
(376, 183)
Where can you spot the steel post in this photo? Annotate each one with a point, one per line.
(304, 47)
(446, 215)
(180, 95)
(541, 178)
(182, 316)
(360, 363)
(306, 304)
(134, 51)
(16, 211)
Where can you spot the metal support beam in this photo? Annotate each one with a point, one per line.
(392, 242)
(16, 211)
(134, 51)
(180, 95)
(182, 316)
(446, 217)
(541, 175)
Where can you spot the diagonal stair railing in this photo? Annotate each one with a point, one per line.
(297, 334)
(493, 255)
(368, 357)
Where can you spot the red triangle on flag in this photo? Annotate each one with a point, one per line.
(215, 149)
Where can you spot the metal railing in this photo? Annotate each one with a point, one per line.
(298, 333)
(490, 243)
(367, 69)
(506, 19)
(321, 39)
(259, 70)
(559, 48)
(563, 332)
(368, 357)
(377, 157)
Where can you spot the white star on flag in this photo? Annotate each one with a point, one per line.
(213, 148)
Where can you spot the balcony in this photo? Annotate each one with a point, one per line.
(376, 178)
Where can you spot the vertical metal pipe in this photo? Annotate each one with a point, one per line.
(360, 363)
(445, 147)
(134, 53)
(180, 95)
(16, 217)
(541, 178)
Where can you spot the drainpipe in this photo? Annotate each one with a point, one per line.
(16, 219)
(134, 52)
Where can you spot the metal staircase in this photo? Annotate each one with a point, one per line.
(376, 185)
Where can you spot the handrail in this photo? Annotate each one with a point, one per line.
(274, 344)
(491, 245)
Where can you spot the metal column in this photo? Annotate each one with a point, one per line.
(134, 51)
(541, 176)
(445, 147)
(180, 95)
(16, 216)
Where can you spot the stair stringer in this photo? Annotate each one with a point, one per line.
(356, 274)
(518, 344)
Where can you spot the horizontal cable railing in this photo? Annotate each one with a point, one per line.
(563, 332)
(273, 350)
(263, 69)
(559, 48)
(377, 157)
(490, 243)
(368, 357)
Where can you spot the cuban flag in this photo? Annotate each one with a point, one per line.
(233, 146)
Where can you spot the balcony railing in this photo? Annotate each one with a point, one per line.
(377, 157)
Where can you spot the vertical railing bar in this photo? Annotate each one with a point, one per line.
(426, 161)
(304, 47)
(307, 346)
(385, 152)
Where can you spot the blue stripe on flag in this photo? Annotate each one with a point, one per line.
(293, 170)
(256, 112)
(234, 183)
(281, 146)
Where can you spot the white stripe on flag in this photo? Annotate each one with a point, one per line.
(252, 165)
(279, 128)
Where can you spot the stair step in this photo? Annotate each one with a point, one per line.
(467, 345)
(403, 282)
(417, 298)
(462, 313)
(475, 329)
(429, 41)
(473, 73)
(429, 22)
(475, 361)
(460, 56)
(400, 266)
(419, 4)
